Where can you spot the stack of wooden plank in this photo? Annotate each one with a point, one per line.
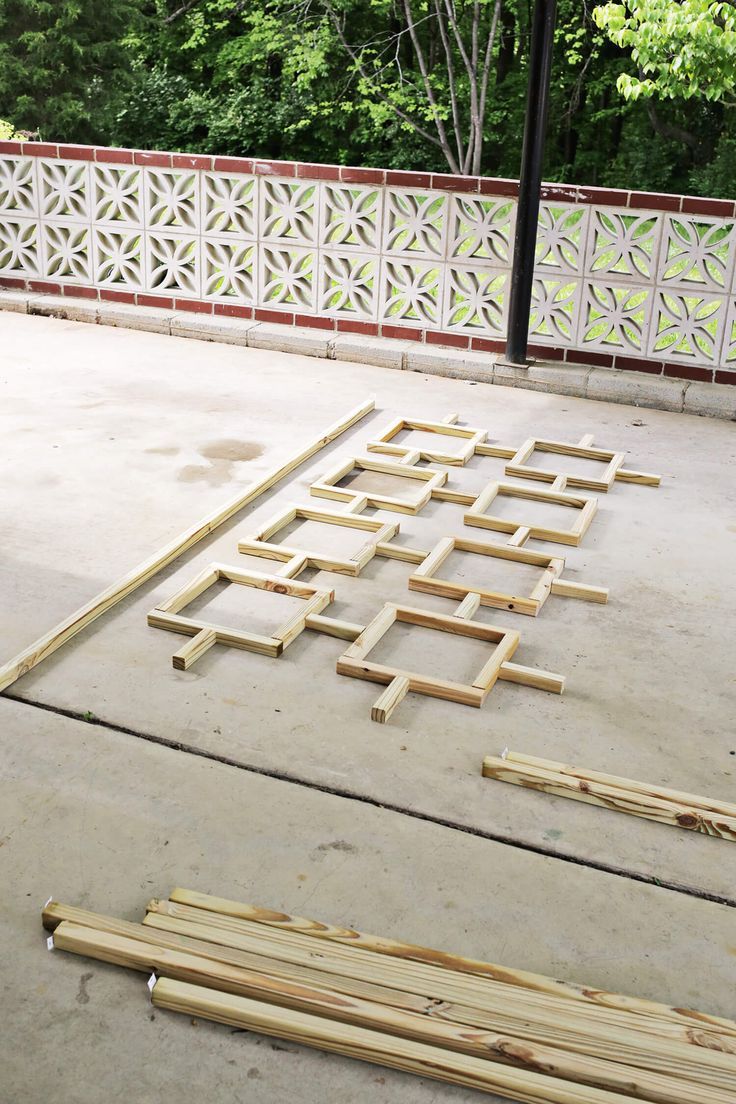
(520, 1035)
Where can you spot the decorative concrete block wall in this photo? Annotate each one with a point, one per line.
(623, 279)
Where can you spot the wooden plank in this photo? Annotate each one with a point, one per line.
(586, 593)
(331, 626)
(495, 450)
(648, 789)
(391, 697)
(437, 556)
(373, 1046)
(190, 652)
(493, 666)
(468, 607)
(520, 536)
(419, 684)
(625, 475)
(610, 797)
(491, 598)
(70, 626)
(233, 638)
(532, 676)
(206, 578)
(400, 552)
(328, 935)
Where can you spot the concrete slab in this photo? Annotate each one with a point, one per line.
(650, 676)
(106, 821)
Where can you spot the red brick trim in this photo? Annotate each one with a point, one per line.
(163, 301)
(402, 179)
(352, 175)
(688, 372)
(232, 310)
(487, 345)
(318, 172)
(234, 164)
(348, 325)
(727, 377)
(274, 168)
(452, 340)
(40, 149)
(655, 201)
(598, 360)
(314, 321)
(152, 159)
(449, 183)
(403, 333)
(105, 156)
(77, 153)
(113, 296)
(190, 161)
(283, 318)
(45, 286)
(11, 147)
(636, 364)
(699, 205)
(194, 306)
(73, 292)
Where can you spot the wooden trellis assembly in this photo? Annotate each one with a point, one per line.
(584, 511)
(296, 559)
(465, 439)
(427, 578)
(427, 481)
(355, 662)
(205, 634)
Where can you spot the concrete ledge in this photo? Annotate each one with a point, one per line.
(151, 319)
(233, 331)
(14, 301)
(61, 306)
(712, 400)
(637, 388)
(290, 339)
(385, 352)
(604, 384)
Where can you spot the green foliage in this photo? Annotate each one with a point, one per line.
(59, 61)
(8, 131)
(276, 79)
(682, 50)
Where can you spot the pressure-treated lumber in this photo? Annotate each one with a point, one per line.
(391, 697)
(322, 1000)
(369, 1045)
(618, 799)
(712, 804)
(68, 628)
(208, 908)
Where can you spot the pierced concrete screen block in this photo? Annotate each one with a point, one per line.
(205, 634)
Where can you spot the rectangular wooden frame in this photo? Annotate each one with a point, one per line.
(472, 438)
(478, 517)
(355, 664)
(259, 544)
(425, 579)
(168, 616)
(519, 464)
(430, 477)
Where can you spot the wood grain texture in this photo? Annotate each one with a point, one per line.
(331, 934)
(107, 599)
(619, 800)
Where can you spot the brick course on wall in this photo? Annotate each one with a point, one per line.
(634, 280)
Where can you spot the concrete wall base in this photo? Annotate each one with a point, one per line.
(710, 400)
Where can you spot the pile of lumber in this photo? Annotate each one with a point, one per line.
(520, 1035)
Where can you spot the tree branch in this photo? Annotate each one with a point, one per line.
(353, 55)
(484, 81)
(438, 121)
(181, 11)
(456, 121)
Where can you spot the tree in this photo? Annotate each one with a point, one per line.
(682, 50)
(60, 60)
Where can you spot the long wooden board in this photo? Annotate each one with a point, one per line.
(67, 629)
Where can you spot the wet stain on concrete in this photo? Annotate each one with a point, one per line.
(337, 845)
(230, 449)
(82, 994)
(223, 456)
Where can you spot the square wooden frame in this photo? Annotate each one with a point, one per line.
(586, 507)
(354, 661)
(472, 438)
(430, 477)
(168, 615)
(519, 464)
(299, 558)
(425, 578)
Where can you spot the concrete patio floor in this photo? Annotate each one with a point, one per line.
(115, 440)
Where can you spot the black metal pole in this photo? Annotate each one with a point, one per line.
(530, 180)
